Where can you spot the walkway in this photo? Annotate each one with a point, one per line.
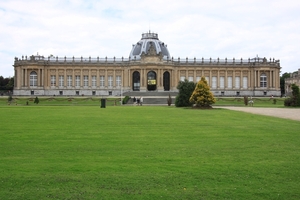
(286, 113)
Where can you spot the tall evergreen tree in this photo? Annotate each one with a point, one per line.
(202, 95)
(185, 90)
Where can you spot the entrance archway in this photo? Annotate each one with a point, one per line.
(151, 81)
(166, 81)
(136, 81)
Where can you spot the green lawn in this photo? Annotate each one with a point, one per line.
(146, 152)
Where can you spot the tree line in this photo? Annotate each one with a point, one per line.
(6, 84)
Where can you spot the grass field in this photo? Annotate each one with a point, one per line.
(146, 152)
(95, 101)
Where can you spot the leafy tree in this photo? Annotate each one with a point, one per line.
(185, 91)
(295, 99)
(36, 100)
(282, 82)
(202, 95)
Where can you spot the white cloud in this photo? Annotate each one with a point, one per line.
(194, 28)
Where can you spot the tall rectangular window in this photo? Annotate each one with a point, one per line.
(237, 82)
(77, 81)
(61, 80)
(207, 80)
(245, 82)
(182, 78)
(110, 81)
(118, 81)
(94, 81)
(214, 82)
(222, 82)
(198, 78)
(85, 81)
(69, 80)
(191, 78)
(33, 79)
(229, 82)
(53, 80)
(102, 81)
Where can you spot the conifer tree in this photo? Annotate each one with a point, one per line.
(36, 100)
(202, 96)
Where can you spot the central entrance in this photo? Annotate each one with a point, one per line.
(151, 81)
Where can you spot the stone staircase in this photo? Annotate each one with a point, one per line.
(152, 98)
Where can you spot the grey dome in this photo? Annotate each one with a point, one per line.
(144, 44)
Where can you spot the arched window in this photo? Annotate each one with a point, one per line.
(263, 80)
(33, 79)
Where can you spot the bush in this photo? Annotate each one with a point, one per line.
(186, 89)
(36, 100)
(125, 100)
(294, 100)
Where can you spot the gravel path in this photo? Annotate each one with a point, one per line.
(287, 113)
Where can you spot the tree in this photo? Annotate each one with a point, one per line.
(202, 95)
(282, 82)
(185, 91)
(294, 100)
(36, 100)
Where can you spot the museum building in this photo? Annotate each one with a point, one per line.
(149, 68)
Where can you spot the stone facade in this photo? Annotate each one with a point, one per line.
(294, 79)
(153, 71)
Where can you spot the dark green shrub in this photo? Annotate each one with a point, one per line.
(125, 100)
(36, 100)
(186, 89)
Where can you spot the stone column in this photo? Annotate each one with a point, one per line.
(81, 78)
(73, 78)
(226, 80)
(26, 84)
(65, 77)
(233, 79)
(210, 81)
(218, 80)
(97, 78)
(90, 78)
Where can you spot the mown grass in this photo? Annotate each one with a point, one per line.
(95, 101)
(143, 152)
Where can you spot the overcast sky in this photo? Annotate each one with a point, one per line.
(190, 28)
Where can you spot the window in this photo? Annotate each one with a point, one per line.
(214, 82)
(263, 80)
(61, 93)
(61, 80)
(182, 78)
(198, 78)
(69, 80)
(85, 81)
(102, 81)
(110, 81)
(191, 79)
(93, 93)
(118, 81)
(53, 80)
(207, 80)
(245, 82)
(77, 81)
(222, 82)
(237, 82)
(33, 79)
(229, 82)
(94, 81)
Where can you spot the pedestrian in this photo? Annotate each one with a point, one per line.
(134, 100)
(138, 101)
(141, 101)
